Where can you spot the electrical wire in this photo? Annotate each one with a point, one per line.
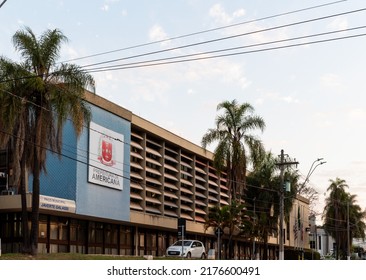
(2, 3)
(229, 37)
(206, 31)
(160, 60)
(215, 40)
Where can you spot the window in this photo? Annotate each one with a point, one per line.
(320, 242)
(197, 244)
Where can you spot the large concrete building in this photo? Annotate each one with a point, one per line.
(121, 187)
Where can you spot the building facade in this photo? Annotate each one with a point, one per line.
(121, 187)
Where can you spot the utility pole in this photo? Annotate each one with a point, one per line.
(254, 220)
(348, 234)
(284, 162)
(182, 241)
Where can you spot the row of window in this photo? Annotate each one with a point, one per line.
(63, 234)
(170, 182)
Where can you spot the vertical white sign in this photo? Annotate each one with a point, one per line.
(105, 157)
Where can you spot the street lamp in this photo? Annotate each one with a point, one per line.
(311, 170)
(319, 161)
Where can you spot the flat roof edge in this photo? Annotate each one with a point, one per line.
(170, 136)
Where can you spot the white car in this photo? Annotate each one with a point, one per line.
(191, 249)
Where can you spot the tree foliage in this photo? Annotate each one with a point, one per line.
(235, 145)
(228, 217)
(38, 96)
(263, 197)
(342, 216)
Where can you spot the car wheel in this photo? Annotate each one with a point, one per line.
(203, 256)
(188, 255)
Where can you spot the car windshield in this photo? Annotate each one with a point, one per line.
(179, 243)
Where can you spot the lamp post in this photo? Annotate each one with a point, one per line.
(311, 170)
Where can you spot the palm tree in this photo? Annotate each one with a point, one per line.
(264, 189)
(14, 128)
(235, 145)
(226, 217)
(356, 220)
(332, 209)
(50, 94)
(340, 211)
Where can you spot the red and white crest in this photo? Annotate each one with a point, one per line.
(106, 151)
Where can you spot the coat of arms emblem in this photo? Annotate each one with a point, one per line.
(106, 150)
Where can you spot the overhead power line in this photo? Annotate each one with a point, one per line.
(229, 37)
(160, 62)
(231, 54)
(2, 3)
(148, 62)
(206, 31)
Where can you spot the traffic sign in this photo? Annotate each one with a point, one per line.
(219, 232)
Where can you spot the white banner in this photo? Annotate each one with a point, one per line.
(57, 204)
(105, 157)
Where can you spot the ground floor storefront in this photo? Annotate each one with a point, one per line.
(62, 234)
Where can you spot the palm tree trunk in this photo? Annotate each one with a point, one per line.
(23, 193)
(265, 253)
(265, 245)
(231, 247)
(35, 208)
(36, 182)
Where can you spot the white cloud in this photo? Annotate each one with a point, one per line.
(157, 33)
(234, 73)
(107, 3)
(290, 99)
(219, 70)
(331, 80)
(239, 13)
(259, 101)
(270, 96)
(323, 120)
(191, 92)
(105, 7)
(70, 53)
(222, 17)
(148, 89)
(357, 114)
(338, 24)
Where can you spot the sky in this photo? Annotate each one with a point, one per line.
(310, 91)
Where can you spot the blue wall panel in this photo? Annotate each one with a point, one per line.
(60, 179)
(97, 200)
(68, 177)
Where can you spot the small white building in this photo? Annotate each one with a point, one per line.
(320, 240)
